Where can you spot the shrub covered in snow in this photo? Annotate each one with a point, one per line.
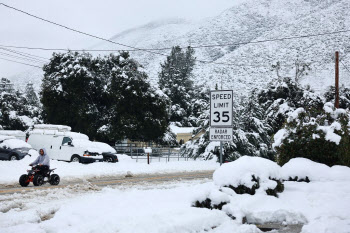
(322, 136)
(305, 170)
(16, 112)
(215, 199)
(344, 96)
(246, 175)
(264, 177)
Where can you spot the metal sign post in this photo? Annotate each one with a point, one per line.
(221, 153)
(221, 114)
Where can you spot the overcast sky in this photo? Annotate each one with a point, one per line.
(104, 18)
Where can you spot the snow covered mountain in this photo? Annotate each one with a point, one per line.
(246, 66)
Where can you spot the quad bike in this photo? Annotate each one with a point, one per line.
(38, 178)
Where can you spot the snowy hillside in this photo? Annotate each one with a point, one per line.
(34, 76)
(253, 21)
(250, 63)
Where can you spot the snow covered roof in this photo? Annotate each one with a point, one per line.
(12, 142)
(73, 135)
(12, 133)
(94, 147)
(5, 137)
(60, 128)
(176, 130)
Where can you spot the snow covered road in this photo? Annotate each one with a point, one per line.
(12, 170)
(113, 181)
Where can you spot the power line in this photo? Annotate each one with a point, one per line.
(194, 47)
(345, 66)
(20, 62)
(159, 49)
(18, 57)
(232, 64)
(77, 31)
(272, 40)
(25, 54)
(62, 49)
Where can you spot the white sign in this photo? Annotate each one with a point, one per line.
(221, 108)
(220, 134)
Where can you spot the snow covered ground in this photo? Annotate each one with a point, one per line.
(12, 170)
(163, 208)
(323, 205)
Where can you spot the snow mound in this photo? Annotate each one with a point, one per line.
(302, 168)
(240, 172)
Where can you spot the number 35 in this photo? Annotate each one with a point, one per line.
(225, 117)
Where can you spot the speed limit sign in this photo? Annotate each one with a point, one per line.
(221, 108)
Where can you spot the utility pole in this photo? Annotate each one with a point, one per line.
(336, 103)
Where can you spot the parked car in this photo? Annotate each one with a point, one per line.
(12, 148)
(62, 144)
(15, 133)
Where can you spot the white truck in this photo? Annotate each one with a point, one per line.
(62, 144)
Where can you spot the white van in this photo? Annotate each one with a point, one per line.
(62, 144)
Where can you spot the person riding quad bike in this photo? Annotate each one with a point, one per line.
(41, 172)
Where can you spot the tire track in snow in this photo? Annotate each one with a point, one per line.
(113, 181)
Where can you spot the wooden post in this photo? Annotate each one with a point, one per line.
(336, 103)
(147, 158)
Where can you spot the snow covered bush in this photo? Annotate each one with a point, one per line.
(321, 136)
(16, 113)
(214, 199)
(246, 175)
(306, 170)
(344, 96)
(282, 97)
(263, 207)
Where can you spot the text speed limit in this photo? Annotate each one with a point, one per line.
(221, 108)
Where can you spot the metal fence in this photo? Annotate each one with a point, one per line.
(155, 153)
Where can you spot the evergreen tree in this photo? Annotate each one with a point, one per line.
(31, 95)
(137, 110)
(107, 98)
(175, 81)
(255, 121)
